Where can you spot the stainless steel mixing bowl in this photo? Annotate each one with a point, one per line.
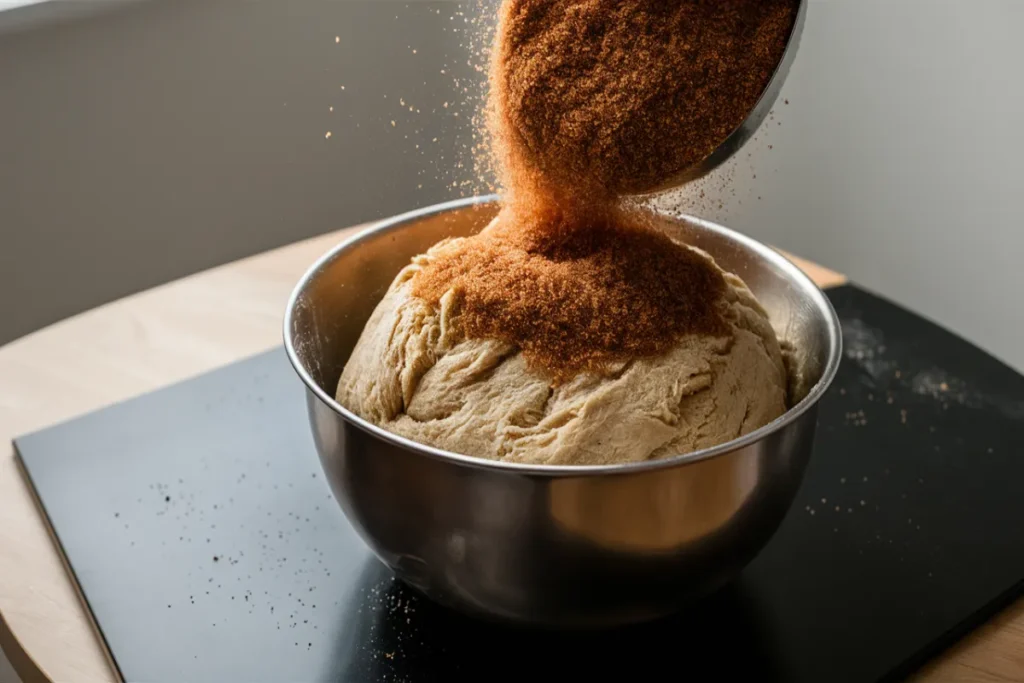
(557, 546)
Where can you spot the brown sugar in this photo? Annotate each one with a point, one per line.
(590, 100)
(577, 292)
(623, 96)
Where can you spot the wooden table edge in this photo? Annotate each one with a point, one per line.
(21, 661)
(280, 268)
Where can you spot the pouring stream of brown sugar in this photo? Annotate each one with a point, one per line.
(592, 100)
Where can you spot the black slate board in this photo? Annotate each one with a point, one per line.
(208, 546)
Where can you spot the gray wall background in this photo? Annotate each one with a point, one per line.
(142, 141)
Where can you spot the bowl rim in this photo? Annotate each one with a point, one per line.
(816, 295)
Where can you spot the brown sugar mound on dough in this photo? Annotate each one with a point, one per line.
(577, 292)
(622, 96)
(591, 100)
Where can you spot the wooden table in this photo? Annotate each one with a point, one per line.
(165, 335)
